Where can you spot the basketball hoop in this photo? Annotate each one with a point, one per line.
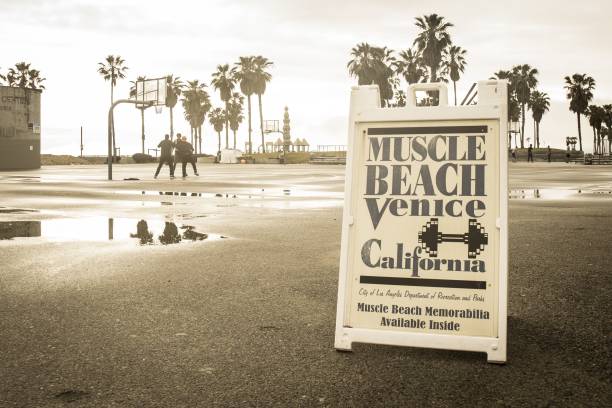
(158, 109)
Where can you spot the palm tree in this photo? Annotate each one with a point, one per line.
(224, 81)
(365, 64)
(112, 70)
(432, 41)
(454, 63)
(217, 120)
(539, 103)
(174, 87)
(524, 78)
(245, 75)
(596, 119)
(196, 104)
(261, 78)
(140, 107)
(580, 92)
(236, 103)
(374, 65)
(22, 76)
(411, 66)
(19, 76)
(607, 118)
(514, 109)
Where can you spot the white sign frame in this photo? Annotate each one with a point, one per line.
(365, 108)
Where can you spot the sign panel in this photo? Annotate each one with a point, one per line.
(423, 227)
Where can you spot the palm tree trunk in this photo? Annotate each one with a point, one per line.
(113, 122)
(142, 133)
(579, 131)
(594, 140)
(522, 126)
(219, 133)
(250, 130)
(200, 139)
(263, 143)
(455, 91)
(171, 124)
(234, 139)
(226, 125)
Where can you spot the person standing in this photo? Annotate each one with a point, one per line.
(548, 154)
(530, 154)
(165, 156)
(189, 157)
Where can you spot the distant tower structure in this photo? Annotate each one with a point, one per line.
(286, 131)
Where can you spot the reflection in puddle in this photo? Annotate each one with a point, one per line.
(555, 194)
(151, 232)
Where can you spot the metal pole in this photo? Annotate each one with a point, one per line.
(111, 149)
(81, 141)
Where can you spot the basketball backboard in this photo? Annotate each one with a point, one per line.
(271, 126)
(152, 91)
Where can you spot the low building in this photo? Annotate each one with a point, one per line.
(19, 128)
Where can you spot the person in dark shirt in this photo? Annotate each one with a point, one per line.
(165, 157)
(530, 154)
(548, 154)
(188, 157)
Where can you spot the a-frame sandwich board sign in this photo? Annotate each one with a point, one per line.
(424, 252)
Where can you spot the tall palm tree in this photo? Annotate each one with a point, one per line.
(454, 63)
(432, 41)
(539, 103)
(224, 81)
(174, 87)
(245, 75)
(514, 109)
(217, 120)
(374, 65)
(411, 66)
(112, 69)
(607, 118)
(261, 79)
(365, 64)
(524, 77)
(141, 108)
(236, 103)
(580, 92)
(596, 119)
(196, 104)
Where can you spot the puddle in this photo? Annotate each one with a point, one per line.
(556, 194)
(96, 229)
(4, 210)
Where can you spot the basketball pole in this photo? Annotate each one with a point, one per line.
(111, 153)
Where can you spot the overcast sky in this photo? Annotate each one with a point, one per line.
(309, 43)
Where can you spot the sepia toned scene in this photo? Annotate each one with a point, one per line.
(321, 204)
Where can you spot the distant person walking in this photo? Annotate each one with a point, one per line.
(513, 155)
(530, 154)
(548, 154)
(165, 157)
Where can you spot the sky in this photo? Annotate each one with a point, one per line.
(309, 43)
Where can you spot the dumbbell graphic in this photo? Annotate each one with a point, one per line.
(476, 238)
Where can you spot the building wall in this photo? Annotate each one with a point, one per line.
(19, 128)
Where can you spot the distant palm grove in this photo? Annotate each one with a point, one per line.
(246, 78)
(433, 57)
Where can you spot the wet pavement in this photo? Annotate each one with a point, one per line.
(220, 290)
